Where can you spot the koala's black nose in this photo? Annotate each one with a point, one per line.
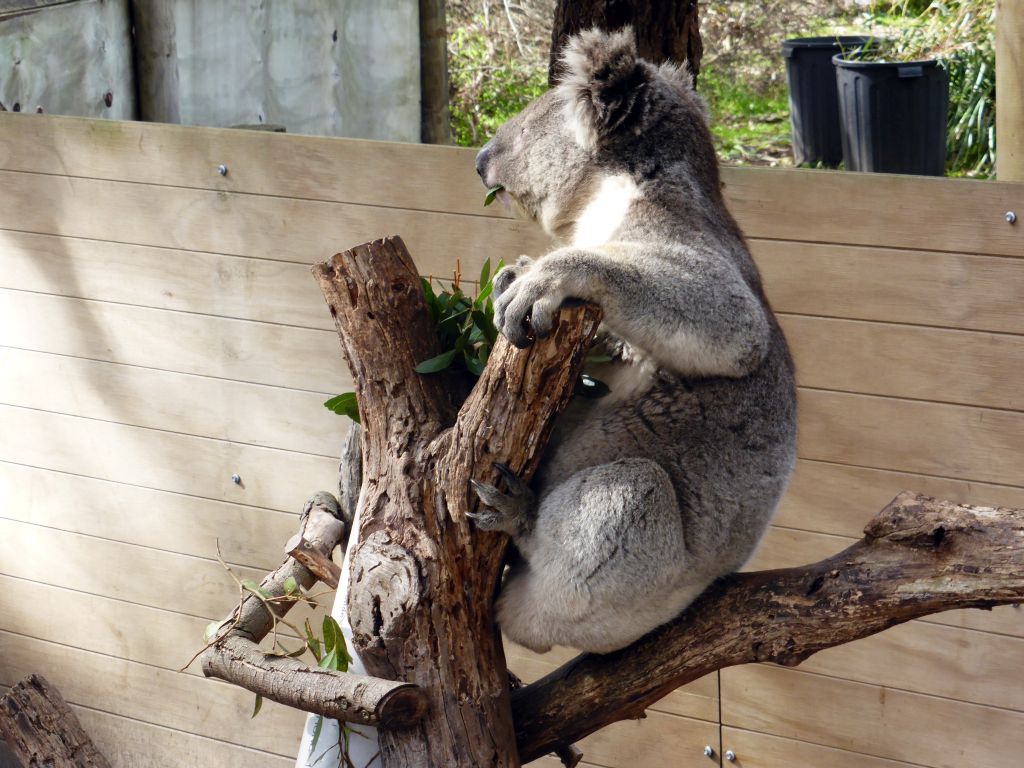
(481, 160)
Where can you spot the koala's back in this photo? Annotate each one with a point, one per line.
(728, 446)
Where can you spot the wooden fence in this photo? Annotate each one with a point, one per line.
(160, 332)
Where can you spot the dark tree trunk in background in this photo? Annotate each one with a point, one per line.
(665, 29)
(435, 112)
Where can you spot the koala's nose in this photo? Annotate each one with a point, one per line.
(481, 160)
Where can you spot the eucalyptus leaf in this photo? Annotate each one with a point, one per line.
(473, 365)
(257, 706)
(492, 193)
(255, 588)
(439, 363)
(211, 631)
(312, 641)
(485, 273)
(290, 585)
(344, 404)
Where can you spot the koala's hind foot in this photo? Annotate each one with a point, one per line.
(511, 512)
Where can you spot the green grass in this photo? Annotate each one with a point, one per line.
(748, 125)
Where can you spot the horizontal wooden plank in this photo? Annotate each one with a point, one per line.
(139, 633)
(978, 667)
(698, 700)
(656, 741)
(183, 702)
(911, 436)
(278, 355)
(257, 226)
(162, 460)
(787, 548)
(254, 414)
(879, 721)
(391, 174)
(184, 524)
(149, 577)
(952, 366)
(821, 206)
(961, 216)
(759, 750)
(841, 499)
(187, 281)
(144, 634)
(980, 293)
(128, 743)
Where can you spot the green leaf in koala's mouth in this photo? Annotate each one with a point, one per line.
(492, 193)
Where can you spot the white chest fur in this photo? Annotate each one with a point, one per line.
(604, 213)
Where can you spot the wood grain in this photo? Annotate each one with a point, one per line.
(183, 702)
(129, 743)
(965, 367)
(866, 718)
(954, 441)
(163, 460)
(174, 522)
(238, 412)
(959, 216)
(257, 226)
(759, 750)
(979, 293)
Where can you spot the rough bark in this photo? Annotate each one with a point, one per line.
(918, 556)
(235, 656)
(423, 578)
(665, 30)
(39, 728)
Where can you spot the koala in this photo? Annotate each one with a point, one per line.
(646, 496)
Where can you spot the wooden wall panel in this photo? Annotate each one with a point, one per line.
(160, 331)
(164, 461)
(131, 514)
(979, 293)
(874, 720)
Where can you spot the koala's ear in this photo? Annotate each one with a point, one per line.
(603, 82)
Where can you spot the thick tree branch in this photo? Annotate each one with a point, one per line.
(918, 556)
(235, 655)
(422, 576)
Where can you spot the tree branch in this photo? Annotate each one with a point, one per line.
(918, 556)
(425, 576)
(235, 656)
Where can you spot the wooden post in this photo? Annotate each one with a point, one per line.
(1010, 90)
(435, 113)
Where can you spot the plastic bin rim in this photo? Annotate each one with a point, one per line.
(829, 41)
(839, 61)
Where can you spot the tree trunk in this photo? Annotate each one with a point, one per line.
(665, 30)
(434, 97)
(39, 728)
(422, 577)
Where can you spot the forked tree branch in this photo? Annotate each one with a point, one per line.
(235, 655)
(919, 556)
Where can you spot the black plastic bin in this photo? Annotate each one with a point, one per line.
(893, 115)
(813, 101)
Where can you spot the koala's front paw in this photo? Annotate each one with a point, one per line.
(510, 512)
(506, 275)
(527, 306)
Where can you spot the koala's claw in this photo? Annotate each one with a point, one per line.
(510, 511)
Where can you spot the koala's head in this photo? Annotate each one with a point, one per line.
(612, 113)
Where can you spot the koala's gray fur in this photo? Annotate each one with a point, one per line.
(648, 495)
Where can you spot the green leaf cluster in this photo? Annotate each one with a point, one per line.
(465, 325)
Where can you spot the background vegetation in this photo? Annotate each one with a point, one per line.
(499, 56)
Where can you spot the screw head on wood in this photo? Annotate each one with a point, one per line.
(709, 751)
(236, 479)
(1011, 217)
(222, 170)
(730, 756)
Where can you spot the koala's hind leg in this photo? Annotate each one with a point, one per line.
(607, 543)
